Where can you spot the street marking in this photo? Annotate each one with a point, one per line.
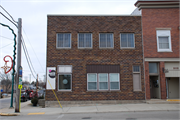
(41, 113)
(59, 117)
(173, 100)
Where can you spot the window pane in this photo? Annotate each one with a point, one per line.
(114, 85)
(60, 40)
(88, 40)
(163, 43)
(103, 85)
(65, 82)
(130, 40)
(66, 40)
(92, 78)
(136, 82)
(102, 40)
(136, 69)
(114, 77)
(123, 40)
(103, 77)
(153, 68)
(92, 85)
(109, 40)
(81, 40)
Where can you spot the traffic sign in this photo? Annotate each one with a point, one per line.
(20, 71)
(20, 80)
(20, 86)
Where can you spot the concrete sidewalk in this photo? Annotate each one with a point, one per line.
(28, 109)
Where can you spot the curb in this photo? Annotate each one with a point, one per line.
(9, 114)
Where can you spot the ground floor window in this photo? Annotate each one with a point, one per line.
(65, 82)
(103, 81)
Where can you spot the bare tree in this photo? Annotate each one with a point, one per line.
(6, 81)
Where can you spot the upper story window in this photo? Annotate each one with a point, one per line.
(127, 40)
(163, 41)
(84, 40)
(106, 40)
(63, 40)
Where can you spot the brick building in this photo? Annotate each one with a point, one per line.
(94, 58)
(160, 27)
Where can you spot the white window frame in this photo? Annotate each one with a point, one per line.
(163, 33)
(135, 72)
(106, 41)
(97, 78)
(102, 82)
(63, 38)
(70, 85)
(113, 81)
(84, 40)
(127, 47)
(96, 82)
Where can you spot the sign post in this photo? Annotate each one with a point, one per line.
(20, 86)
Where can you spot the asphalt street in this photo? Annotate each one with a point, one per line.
(6, 102)
(150, 115)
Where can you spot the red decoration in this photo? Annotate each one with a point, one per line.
(5, 67)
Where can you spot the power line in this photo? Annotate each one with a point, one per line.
(8, 14)
(8, 19)
(6, 38)
(6, 45)
(33, 50)
(23, 44)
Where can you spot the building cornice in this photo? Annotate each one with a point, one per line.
(157, 4)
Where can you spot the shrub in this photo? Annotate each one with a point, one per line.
(34, 101)
(41, 97)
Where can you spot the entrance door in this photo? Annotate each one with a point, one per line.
(173, 88)
(155, 87)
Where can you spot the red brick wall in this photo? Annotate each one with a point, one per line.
(162, 81)
(79, 58)
(147, 81)
(160, 18)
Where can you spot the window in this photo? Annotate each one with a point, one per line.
(106, 40)
(114, 81)
(136, 78)
(63, 40)
(163, 41)
(85, 40)
(65, 82)
(64, 77)
(153, 68)
(127, 40)
(103, 81)
(92, 81)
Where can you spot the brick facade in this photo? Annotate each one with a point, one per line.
(79, 58)
(153, 19)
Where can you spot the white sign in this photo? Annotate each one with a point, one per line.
(51, 78)
(20, 80)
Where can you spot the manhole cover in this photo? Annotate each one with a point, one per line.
(86, 118)
(131, 118)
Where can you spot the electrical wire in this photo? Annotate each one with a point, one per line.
(33, 50)
(8, 19)
(8, 14)
(25, 52)
(6, 45)
(6, 38)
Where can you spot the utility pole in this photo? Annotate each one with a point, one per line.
(30, 78)
(18, 65)
(37, 85)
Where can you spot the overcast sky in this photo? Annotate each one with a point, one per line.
(34, 25)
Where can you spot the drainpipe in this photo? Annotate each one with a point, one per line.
(167, 89)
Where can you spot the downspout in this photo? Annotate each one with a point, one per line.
(167, 89)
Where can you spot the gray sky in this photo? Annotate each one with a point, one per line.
(34, 25)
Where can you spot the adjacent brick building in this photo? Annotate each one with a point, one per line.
(160, 27)
(94, 58)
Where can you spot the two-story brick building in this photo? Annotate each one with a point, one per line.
(161, 28)
(94, 58)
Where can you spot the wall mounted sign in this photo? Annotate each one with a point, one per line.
(6, 67)
(51, 76)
